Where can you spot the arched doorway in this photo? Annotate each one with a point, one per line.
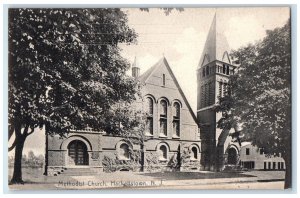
(77, 152)
(232, 156)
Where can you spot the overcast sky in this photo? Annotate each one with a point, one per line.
(180, 37)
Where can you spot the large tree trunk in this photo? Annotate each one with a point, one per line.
(17, 175)
(288, 172)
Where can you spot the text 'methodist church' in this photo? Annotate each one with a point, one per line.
(174, 132)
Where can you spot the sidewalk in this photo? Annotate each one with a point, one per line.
(179, 180)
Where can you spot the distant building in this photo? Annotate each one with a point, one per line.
(252, 157)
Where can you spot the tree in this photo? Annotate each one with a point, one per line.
(65, 70)
(259, 95)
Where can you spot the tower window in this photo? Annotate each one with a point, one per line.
(220, 89)
(211, 93)
(202, 96)
(227, 70)
(207, 70)
(224, 68)
(203, 72)
(225, 86)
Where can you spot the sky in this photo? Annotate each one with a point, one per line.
(180, 38)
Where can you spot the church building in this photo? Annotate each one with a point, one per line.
(172, 134)
(176, 138)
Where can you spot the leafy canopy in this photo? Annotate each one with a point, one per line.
(259, 93)
(65, 68)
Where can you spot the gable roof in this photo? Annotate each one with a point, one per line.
(163, 62)
(216, 44)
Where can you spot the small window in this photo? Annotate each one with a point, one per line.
(164, 80)
(274, 165)
(163, 152)
(203, 72)
(194, 153)
(124, 151)
(261, 151)
(207, 70)
(247, 151)
(265, 165)
(278, 166)
(269, 165)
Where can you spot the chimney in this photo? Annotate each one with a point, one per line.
(135, 69)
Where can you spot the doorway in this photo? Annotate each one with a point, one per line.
(77, 152)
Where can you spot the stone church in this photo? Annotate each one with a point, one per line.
(174, 132)
(171, 131)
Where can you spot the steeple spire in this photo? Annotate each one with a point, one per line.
(216, 46)
(135, 68)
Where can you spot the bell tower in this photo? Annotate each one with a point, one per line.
(213, 71)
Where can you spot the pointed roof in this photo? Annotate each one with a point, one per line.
(216, 46)
(135, 63)
(163, 62)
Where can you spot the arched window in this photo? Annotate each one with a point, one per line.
(163, 118)
(149, 106)
(149, 124)
(163, 152)
(124, 151)
(176, 119)
(194, 154)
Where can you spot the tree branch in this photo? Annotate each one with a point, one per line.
(32, 130)
(13, 145)
(10, 131)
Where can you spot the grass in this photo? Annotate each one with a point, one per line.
(195, 175)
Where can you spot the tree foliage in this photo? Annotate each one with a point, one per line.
(65, 70)
(259, 93)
